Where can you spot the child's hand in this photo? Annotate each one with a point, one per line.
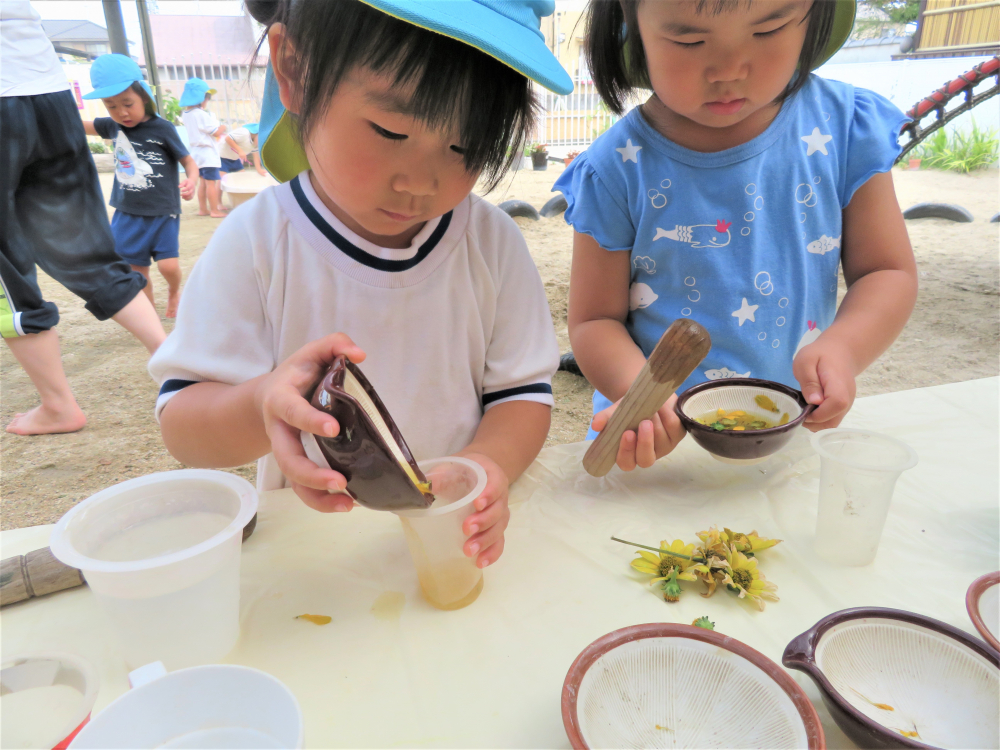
(280, 400)
(260, 171)
(485, 527)
(187, 188)
(657, 436)
(825, 371)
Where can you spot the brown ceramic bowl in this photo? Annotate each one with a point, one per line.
(981, 603)
(670, 685)
(897, 679)
(739, 393)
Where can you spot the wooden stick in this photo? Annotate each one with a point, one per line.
(35, 574)
(681, 348)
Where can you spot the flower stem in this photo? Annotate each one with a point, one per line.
(652, 549)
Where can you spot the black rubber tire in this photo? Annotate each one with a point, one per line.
(519, 208)
(947, 211)
(995, 219)
(567, 363)
(554, 206)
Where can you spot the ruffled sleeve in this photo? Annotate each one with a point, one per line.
(873, 140)
(593, 209)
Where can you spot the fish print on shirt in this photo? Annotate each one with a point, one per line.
(131, 171)
(698, 235)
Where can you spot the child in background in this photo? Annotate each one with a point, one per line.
(238, 147)
(146, 193)
(732, 196)
(203, 129)
(375, 248)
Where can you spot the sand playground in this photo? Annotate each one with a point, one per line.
(953, 335)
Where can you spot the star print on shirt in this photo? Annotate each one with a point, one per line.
(745, 312)
(630, 152)
(817, 142)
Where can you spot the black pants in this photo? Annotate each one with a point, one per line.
(52, 213)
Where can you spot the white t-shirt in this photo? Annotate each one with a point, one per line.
(28, 63)
(243, 140)
(452, 325)
(200, 124)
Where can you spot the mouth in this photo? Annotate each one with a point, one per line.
(398, 217)
(725, 107)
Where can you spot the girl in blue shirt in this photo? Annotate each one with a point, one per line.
(732, 196)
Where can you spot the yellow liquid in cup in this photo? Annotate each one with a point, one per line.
(449, 584)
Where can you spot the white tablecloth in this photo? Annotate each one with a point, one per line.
(491, 675)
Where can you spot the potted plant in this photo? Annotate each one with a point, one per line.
(570, 157)
(539, 156)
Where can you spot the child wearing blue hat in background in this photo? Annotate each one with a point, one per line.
(146, 193)
(375, 248)
(238, 147)
(203, 129)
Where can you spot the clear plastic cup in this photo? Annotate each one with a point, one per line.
(214, 706)
(45, 699)
(448, 579)
(162, 555)
(858, 473)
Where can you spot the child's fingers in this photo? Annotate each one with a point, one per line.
(493, 514)
(485, 540)
(291, 408)
(600, 420)
(335, 344)
(645, 448)
(294, 464)
(626, 451)
(322, 500)
(804, 368)
(490, 554)
(838, 395)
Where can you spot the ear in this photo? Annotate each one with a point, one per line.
(285, 67)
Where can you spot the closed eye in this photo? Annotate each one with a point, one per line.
(686, 44)
(388, 133)
(458, 150)
(772, 32)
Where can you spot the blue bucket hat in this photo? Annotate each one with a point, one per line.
(112, 74)
(252, 127)
(507, 30)
(195, 90)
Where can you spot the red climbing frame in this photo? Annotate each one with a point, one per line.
(963, 85)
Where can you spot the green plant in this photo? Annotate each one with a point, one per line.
(97, 147)
(960, 152)
(171, 109)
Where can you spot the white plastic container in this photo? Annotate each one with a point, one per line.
(448, 579)
(214, 706)
(45, 699)
(858, 473)
(162, 555)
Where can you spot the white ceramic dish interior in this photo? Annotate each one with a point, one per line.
(742, 397)
(936, 686)
(683, 693)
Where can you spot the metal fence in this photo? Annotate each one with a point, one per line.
(575, 119)
(239, 88)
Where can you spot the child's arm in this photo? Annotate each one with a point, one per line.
(88, 127)
(607, 355)
(189, 184)
(881, 277)
(508, 439)
(256, 163)
(236, 147)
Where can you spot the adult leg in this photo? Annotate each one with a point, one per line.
(38, 354)
(170, 269)
(148, 289)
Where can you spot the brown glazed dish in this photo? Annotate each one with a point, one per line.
(976, 590)
(616, 638)
(374, 477)
(742, 445)
(800, 654)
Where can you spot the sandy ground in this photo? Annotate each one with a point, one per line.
(952, 336)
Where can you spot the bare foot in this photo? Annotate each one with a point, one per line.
(172, 301)
(43, 421)
(205, 213)
(215, 215)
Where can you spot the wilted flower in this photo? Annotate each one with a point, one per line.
(744, 578)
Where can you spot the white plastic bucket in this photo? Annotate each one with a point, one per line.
(162, 555)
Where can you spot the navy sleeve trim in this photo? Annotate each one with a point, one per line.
(489, 398)
(169, 386)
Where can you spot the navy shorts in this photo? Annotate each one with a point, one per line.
(142, 239)
(231, 165)
(210, 173)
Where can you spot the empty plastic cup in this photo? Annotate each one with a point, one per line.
(214, 706)
(858, 473)
(448, 579)
(162, 555)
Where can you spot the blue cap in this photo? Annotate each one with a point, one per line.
(112, 74)
(195, 90)
(251, 127)
(507, 30)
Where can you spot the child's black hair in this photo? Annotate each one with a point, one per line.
(490, 104)
(617, 59)
(147, 101)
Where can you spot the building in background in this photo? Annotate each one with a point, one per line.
(77, 40)
(956, 28)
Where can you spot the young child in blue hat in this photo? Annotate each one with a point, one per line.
(240, 146)
(146, 193)
(380, 116)
(733, 195)
(203, 130)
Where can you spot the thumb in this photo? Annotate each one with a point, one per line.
(600, 420)
(806, 370)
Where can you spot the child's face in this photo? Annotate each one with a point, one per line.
(718, 70)
(126, 108)
(384, 171)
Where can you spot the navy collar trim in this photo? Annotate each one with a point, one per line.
(356, 253)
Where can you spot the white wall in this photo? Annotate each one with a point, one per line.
(905, 82)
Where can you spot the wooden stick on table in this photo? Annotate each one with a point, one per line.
(681, 348)
(35, 574)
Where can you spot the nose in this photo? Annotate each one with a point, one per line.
(419, 180)
(728, 65)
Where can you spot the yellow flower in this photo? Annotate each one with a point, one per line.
(659, 566)
(749, 543)
(744, 577)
